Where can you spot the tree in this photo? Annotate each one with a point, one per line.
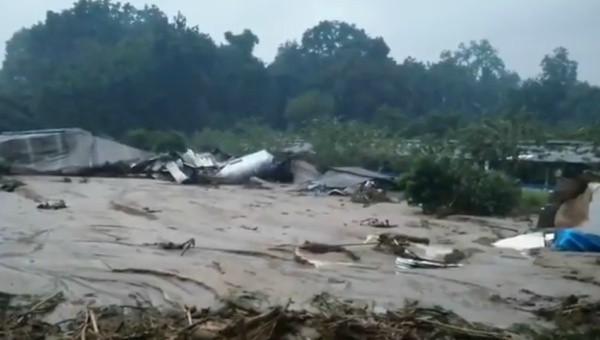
(111, 68)
(309, 106)
(558, 69)
(390, 118)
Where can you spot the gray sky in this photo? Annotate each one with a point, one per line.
(522, 30)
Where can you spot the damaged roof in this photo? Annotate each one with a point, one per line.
(69, 150)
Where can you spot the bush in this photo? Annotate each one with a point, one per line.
(441, 184)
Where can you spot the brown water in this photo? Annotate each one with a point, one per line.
(93, 251)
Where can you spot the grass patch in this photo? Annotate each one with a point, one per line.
(532, 200)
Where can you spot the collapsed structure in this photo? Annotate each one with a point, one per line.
(74, 151)
(63, 152)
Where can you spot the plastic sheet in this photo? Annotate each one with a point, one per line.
(576, 240)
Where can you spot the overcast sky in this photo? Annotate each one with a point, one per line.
(522, 30)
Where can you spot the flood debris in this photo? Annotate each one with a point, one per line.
(132, 210)
(368, 194)
(323, 248)
(387, 239)
(10, 184)
(52, 205)
(205, 168)
(76, 152)
(409, 263)
(579, 319)
(328, 318)
(569, 239)
(184, 246)
(376, 223)
(415, 252)
(150, 210)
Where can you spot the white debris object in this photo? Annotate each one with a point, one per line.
(199, 160)
(525, 242)
(177, 174)
(406, 263)
(240, 169)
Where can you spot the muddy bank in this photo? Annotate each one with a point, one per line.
(99, 252)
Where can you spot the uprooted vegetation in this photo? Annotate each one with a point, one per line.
(329, 318)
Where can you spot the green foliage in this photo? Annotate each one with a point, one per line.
(141, 139)
(156, 141)
(533, 200)
(110, 67)
(309, 106)
(445, 184)
(170, 141)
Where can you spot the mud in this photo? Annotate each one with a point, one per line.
(96, 252)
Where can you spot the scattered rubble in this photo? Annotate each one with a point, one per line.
(328, 318)
(89, 155)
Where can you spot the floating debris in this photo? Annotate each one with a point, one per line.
(375, 223)
(322, 248)
(368, 194)
(10, 184)
(184, 247)
(407, 263)
(52, 205)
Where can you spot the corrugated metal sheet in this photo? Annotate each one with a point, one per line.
(63, 151)
(362, 172)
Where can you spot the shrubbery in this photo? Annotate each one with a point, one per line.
(444, 185)
(156, 141)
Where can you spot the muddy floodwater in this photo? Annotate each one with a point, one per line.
(98, 251)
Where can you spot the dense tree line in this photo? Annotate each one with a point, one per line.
(111, 68)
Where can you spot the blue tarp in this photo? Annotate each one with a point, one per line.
(576, 240)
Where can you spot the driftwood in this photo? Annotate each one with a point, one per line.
(397, 238)
(330, 319)
(322, 248)
(185, 246)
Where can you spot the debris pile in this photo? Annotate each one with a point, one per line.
(580, 320)
(415, 252)
(367, 194)
(327, 319)
(206, 168)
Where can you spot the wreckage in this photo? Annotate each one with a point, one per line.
(64, 152)
(284, 167)
(78, 152)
